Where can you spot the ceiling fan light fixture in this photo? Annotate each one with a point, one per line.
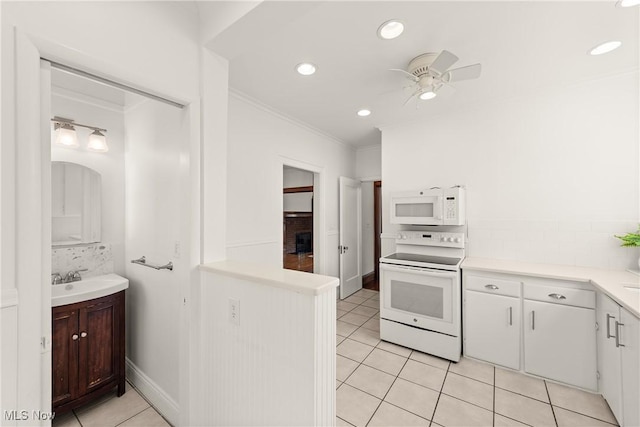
(427, 95)
(364, 112)
(306, 68)
(390, 29)
(627, 3)
(605, 47)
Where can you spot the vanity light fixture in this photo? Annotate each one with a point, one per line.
(67, 136)
(390, 29)
(364, 112)
(628, 3)
(605, 47)
(306, 68)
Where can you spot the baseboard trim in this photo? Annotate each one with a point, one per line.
(161, 401)
(368, 278)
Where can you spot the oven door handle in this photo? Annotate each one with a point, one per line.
(425, 271)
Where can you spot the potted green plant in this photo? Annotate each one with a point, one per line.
(631, 240)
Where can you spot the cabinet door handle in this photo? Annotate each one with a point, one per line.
(74, 337)
(83, 335)
(492, 287)
(510, 316)
(609, 317)
(618, 324)
(557, 296)
(533, 320)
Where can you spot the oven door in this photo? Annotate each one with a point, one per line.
(419, 208)
(424, 298)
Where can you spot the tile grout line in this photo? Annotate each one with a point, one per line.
(435, 408)
(494, 396)
(550, 403)
(390, 387)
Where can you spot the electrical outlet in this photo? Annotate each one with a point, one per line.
(234, 311)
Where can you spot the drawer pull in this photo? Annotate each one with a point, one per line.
(492, 287)
(557, 296)
(609, 317)
(510, 316)
(618, 324)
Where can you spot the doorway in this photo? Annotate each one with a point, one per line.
(297, 219)
(372, 228)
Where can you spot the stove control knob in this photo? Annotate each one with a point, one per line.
(404, 236)
(399, 236)
(449, 239)
(443, 239)
(457, 240)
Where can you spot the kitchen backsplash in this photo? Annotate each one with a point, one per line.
(588, 243)
(96, 258)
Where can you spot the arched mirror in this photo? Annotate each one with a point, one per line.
(75, 204)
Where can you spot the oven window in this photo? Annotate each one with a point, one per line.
(419, 299)
(410, 210)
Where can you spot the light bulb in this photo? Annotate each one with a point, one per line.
(306, 68)
(427, 95)
(605, 47)
(97, 142)
(67, 136)
(390, 29)
(364, 112)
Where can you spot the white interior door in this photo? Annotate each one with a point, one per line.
(350, 236)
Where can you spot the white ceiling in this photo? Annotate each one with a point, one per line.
(524, 47)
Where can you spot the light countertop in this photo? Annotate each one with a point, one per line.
(297, 281)
(611, 282)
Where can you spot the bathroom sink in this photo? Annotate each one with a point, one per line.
(86, 289)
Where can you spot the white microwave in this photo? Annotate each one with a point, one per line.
(438, 206)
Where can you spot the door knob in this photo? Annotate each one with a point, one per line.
(84, 334)
(74, 337)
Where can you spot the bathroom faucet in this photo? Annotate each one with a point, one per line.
(56, 279)
(72, 276)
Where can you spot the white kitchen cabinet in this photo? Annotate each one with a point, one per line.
(628, 330)
(609, 358)
(560, 343)
(492, 328)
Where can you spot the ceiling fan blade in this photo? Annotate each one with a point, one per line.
(407, 74)
(443, 61)
(463, 73)
(412, 96)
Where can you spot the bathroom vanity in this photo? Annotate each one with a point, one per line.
(88, 347)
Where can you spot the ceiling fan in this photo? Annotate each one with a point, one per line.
(430, 73)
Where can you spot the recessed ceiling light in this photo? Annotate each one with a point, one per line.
(364, 112)
(605, 47)
(427, 95)
(390, 29)
(627, 3)
(306, 68)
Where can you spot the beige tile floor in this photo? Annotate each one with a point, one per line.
(382, 384)
(128, 410)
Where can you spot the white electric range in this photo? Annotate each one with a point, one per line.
(420, 293)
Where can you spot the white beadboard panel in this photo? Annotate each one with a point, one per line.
(277, 366)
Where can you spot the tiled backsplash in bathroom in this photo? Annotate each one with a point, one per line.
(581, 243)
(96, 258)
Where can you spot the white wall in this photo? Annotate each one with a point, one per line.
(259, 142)
(549, 178)
(156, 215)
(109, 165)
(369, 162)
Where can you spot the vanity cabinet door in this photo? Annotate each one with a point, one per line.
(64, 372)
(99, 344)
(629, 343)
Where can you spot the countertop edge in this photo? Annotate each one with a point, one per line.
(246, 271)
(593, 276)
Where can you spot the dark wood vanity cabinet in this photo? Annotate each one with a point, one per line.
(88, 351)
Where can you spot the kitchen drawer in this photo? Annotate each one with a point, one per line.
(493, 286)
(559, 295)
